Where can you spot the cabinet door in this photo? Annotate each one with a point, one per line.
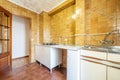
(73, 65)
(92, 71)
(37, 52)
(113, 73)
(55, 57)
(114, 57)
(45, 56)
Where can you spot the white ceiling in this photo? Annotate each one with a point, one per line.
(38, 5)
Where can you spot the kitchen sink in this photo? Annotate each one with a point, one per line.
(110, 49)
(114, 49)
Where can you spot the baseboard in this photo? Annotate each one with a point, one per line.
(20, 57)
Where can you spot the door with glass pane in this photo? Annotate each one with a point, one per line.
(5, 41)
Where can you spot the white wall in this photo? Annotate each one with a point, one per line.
(20, 36)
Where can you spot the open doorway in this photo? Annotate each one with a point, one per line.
(20, 41)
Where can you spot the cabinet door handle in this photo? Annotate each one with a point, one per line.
(100, 63)
(114, 62)
(93, 61)
(114, 67)
(93, 58)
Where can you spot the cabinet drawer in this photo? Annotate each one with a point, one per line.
(101, 55)
(114, 57)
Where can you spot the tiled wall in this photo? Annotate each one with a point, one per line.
(93, 21)
(100, 18)
(58, 27)
(41, 28)
(118, 14)
(63, 26)
(64, 58)
(80, 22)
(118, 21)
(45, 28)
(14, 9)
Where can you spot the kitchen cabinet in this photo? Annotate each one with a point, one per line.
(98, 65)
(114, 57)
(73, 64)
(48, 56)
(114, 68)
(91, 65)
(92, 71)
(113, 73)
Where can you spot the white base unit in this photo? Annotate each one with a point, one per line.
(91, 65)
(113, 73)
(114, 57)
(92, 71)
(99, 65)
(114, 68)
(73, 64)
(48, 56)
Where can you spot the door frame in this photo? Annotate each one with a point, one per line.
(30, 37)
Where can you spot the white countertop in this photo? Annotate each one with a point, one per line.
(67, 47)
(71, 47)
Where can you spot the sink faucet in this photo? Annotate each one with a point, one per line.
(106, 41)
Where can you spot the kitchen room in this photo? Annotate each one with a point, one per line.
(70, 39)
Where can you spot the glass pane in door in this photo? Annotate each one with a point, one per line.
(5, 46)
(0, 32)
(5, 20)
(8, 24)
(0, 47)
(0, 17)
(5, 33)
(8, 33)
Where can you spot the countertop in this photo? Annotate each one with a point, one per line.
(107, 49)
(70, 47)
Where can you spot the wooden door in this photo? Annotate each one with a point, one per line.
(5, 39)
